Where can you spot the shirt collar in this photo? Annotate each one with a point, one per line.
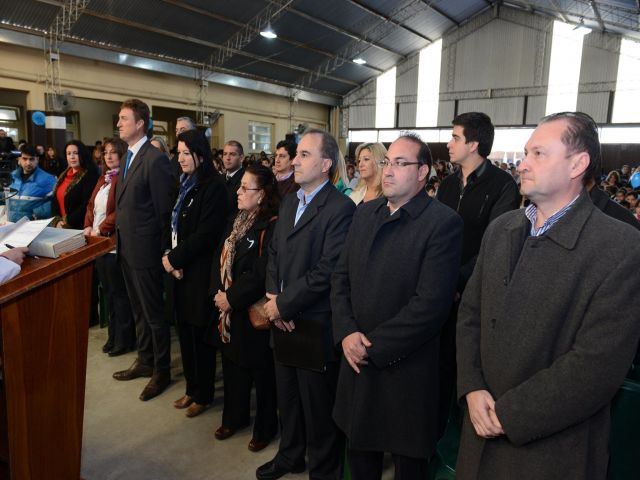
(137, 146)
(231, 174)
(306, 199)
(282, 178)
(473, 176)
(531, 212)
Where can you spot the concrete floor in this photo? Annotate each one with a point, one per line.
(127, 439)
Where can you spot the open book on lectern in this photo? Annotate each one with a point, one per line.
(43, 241)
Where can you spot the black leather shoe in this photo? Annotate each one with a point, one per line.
(271, 470)
(107, 347)
(136, 370)
(116, 352)
(158, 384)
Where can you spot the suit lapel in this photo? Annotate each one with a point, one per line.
(312, 208)
(135, 166)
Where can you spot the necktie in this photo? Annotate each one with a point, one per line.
(126, 165)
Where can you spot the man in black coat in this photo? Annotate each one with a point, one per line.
(144, 199)
(232, 157)
(480, 192)
(390, 294)
(308, 237)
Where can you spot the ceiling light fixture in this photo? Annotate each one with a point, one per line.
(580, 28)
(268, 32)
(359, 61)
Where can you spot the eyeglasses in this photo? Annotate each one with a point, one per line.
(396, 164)
(244, 189)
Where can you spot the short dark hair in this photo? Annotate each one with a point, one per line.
(269, 185)
(29, 150)
(237, 144)
(328, 148)
(290, 146)
(198, 144)
(84, 154)
(581, 135)
(477, 127)
(424, 153)
(140, 111)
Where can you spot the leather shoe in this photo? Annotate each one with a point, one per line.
(183, 402)
(107, 347)
(158, 384)
(136, 370)
(257, 445)
(222, 433)
(195, 409)
(271, 470)
(116, 352)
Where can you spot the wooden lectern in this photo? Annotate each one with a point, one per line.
(44, 320)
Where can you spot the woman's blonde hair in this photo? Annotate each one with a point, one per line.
(378, 153)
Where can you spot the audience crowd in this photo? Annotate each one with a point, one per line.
(334, 285)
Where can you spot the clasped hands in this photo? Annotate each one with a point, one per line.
(354, 348)
(271, 309)
(482, 412)
(169, 268)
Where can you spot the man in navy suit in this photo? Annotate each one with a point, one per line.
(144, 199)
(308, 238)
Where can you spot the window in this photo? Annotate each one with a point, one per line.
(625, 107)
(260, 137)
(386, 99)
(564, 67)
(429, 85)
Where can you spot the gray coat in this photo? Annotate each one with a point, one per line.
(394, 282)
(549, 326)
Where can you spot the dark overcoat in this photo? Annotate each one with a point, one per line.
(248, 346)
(549, 326)
(301, 260)
(395, 282)
(76, 197)
(201, 223)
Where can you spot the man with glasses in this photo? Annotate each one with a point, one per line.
(548, 324)
(391, 292)
(307, 240)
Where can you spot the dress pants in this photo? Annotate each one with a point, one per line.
(447, 369)
(198, 363)
(368, 466)
(238, 381)
(305, 403)
(145, 287)
(122, 331)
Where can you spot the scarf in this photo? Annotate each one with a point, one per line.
(241, 225)
(110, 174)
(187, 182)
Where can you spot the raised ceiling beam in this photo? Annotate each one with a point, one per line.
(200, 11)
(559, 11)
(351, 35)
(204, 43)
(442, 14)
(596, 12)
(389, 19)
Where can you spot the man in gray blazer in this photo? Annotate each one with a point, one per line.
(144, 199)
(307, 240)
(548, 326)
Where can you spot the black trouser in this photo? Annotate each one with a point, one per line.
(121, 329)
(198, 363)
(368, 466)
(305, 403)
(447, 370)
(238, 381)
(145, 287)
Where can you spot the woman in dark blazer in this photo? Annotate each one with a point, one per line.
(238, 281)
(74, 187)
(100, 221)
(197, 224)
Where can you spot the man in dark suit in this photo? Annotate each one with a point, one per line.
(548, 324)
(390, 294)
(144, 199)
(232, 157)
(308, 237)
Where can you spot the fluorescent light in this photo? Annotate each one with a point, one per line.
(268, 32)
(581, 29)
(359, 61)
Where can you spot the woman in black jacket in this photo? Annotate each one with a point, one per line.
(238, 281)
(74, 187)
(197, 224)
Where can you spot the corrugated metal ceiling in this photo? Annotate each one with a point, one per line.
(317, 39)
